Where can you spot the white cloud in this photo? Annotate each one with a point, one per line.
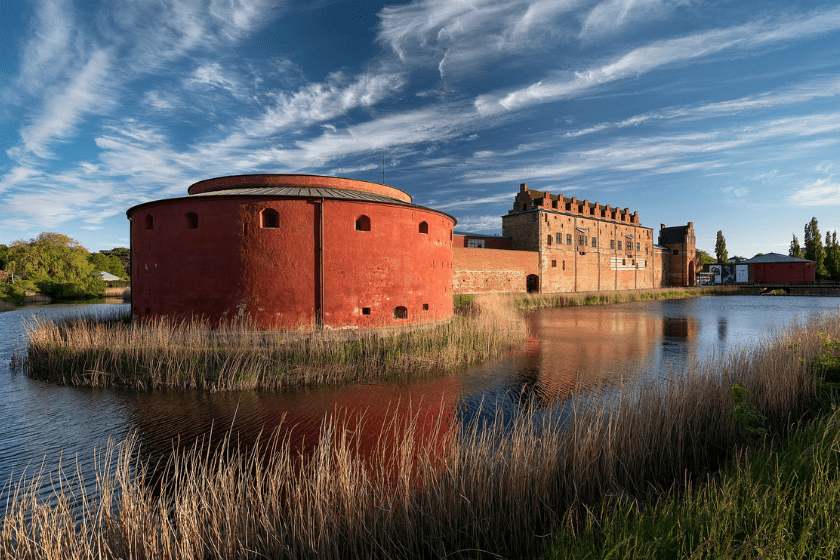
(456, 35)
(609, 16)
(87, 92)
(659, 54)
(211, 75)
(161, 101)
(822, 192)
(480, 224)
(50, 48)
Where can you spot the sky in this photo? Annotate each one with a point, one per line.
(722, 113)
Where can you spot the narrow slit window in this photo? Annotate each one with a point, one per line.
(362, 223)
(269, 219)
(192, 220)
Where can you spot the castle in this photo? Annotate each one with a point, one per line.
(551, 243)
(307, 251)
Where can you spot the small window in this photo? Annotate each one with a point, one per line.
(475, 244)
(612, 243)
(580, 240)
(558, 238)
(363, 223)
(619, 245)
(534, 217)
(594, 241)
(425, 307)
(270, 219)
(568, 239)
(564, 265)
(676, 252)
(638, 246)
(623, 262)
(192, 220)
(553, 264)
(524, 206)
(150, 222)
(424, 227)
(549, 239)
(365, 310)
(400, 312)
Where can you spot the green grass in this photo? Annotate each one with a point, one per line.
(782, 503)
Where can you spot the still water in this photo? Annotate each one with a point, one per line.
(594, 348)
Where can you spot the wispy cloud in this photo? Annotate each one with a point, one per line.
(480, 224)
(610, 16)
(821, 192)
(659, 54)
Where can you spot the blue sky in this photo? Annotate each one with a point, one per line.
(724, 113)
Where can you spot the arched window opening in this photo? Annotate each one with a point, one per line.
(400, 312)
(192, 220)
(424, 227)
(363, 223)
(269, 219)
(150, 222)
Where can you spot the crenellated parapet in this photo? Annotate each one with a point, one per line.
(528, 199)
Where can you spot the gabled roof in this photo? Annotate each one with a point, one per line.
(773, 258)
(670, 235)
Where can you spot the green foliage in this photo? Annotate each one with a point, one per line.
(832, 256)
(814, 250)
(4, 256)
(745, 414)
(795, 250)
(112, 265)
(52, 264)
(720, 248)
(706, 258)
(827, 364)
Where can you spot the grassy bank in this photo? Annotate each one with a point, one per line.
(503, 489)
(782, 503)
(530, 302)
(5, 306)
(114, 352)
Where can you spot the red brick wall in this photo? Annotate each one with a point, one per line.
(492, 270)
(783, 272)
(490, 242)
(229, 263)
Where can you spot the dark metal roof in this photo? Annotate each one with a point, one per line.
(670, 235)
(309, 192)
(774, 258)
(294, 192)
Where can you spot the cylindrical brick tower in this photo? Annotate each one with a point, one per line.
(292, 251)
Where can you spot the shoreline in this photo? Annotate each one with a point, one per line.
(512, 487)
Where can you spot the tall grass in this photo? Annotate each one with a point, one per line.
(530, 302)
(112, 351)
(428, 490)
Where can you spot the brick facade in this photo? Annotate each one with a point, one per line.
(580, 246)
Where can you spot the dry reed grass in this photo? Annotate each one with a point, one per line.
(530, 302)
(428, 491)
(238, 355)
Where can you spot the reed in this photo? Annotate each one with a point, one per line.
(531, 302)
(428, 489)
(112, 351)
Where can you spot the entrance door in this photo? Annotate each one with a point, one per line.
(532, 283)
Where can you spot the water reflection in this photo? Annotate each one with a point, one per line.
(595, 349)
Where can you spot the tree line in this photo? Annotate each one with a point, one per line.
(826, 255)
(55, 265)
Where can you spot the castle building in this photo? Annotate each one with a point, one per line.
(560, 244)
(292, 251)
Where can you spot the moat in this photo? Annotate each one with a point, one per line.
(593, 348)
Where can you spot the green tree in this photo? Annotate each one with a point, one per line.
(814, 250)
(832, 256)
(55, 265)
(4, 256)
(795, 250)
(112, 265)
(720, 248)
(705, 257)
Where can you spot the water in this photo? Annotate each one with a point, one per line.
(593, 348)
